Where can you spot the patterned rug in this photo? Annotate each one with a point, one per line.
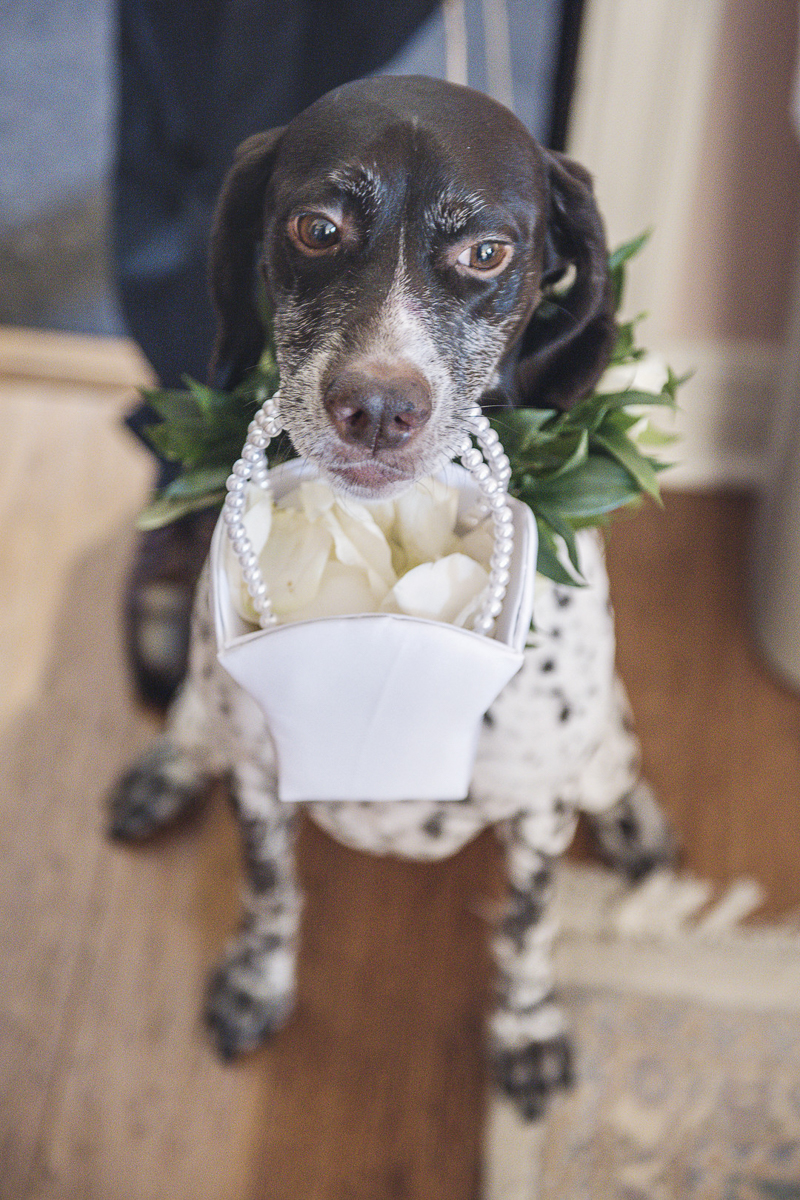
(687, 1034)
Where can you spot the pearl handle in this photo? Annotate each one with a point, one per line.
(486, 463)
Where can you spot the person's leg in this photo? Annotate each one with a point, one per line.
(187, 98)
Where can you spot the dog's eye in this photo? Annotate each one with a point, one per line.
(485, 258)
(314, 232)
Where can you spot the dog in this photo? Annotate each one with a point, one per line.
(406, 231)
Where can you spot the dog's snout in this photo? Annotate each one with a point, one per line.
(381, 412)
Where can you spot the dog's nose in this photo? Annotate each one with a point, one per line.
(377, 412)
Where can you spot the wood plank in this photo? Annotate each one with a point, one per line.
(721, 736)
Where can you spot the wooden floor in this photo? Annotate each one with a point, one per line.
(108, 1090)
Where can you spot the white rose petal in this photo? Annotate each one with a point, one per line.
(322, 554)
(358, 540)
(648, 374)
(479, 542)
(293, 560)
(438, 590)
(257, 518)
(425, 517)
(342, 590)
(382, 513)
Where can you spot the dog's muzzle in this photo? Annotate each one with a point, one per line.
(378, 411)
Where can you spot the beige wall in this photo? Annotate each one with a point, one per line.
(738, 258)
(682, 113)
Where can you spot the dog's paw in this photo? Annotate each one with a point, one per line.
(529, 1076)
(154, 793)
(635, 835)
(250, 997)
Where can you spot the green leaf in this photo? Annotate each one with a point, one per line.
(635, 399)
(201, 482)
(548, 562)
(563, 530)
(598, 486)
(571, 449)
(520, 428)
(620, 447)
(618, 260)
(628, 250)
(163, 510)
(655, 438)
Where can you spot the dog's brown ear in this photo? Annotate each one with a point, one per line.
(237, 231)
(570, 338)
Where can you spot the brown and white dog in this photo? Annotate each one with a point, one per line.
(407, 230)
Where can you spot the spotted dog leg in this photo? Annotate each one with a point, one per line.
(172, 777)
(251, 995)
(165, 783)
(634, 835)
(632, 831)
(529, 1045)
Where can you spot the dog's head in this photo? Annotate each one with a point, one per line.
(406, 229)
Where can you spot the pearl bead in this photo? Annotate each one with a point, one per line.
(484, 624)
(241, 468)
(235, 483)
(248, 560)
(241, 544)
(501, 577)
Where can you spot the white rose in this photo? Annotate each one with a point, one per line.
(446, 590)
(647, 374)
(358, 541)
(425, 519)
(322, 554)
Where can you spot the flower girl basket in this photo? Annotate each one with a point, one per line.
(377, 706)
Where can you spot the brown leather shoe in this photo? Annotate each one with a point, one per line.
(158, 603)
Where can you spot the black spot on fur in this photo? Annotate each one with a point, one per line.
(530, 1075)
(263, 876)
(433, 826)
(526, 909)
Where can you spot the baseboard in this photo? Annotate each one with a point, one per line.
(72, 358)
(725, 415)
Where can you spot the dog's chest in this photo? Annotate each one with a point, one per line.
(535, 741)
